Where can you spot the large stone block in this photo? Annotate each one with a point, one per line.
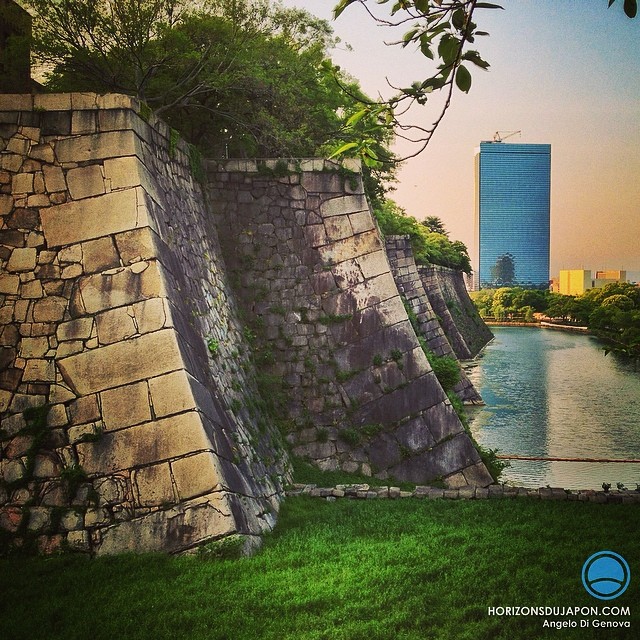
(118, 364)
(9, 284)
(125, 406)
(99, 255)
(350, 247)
(85, 182)
(144, 444)
(123, 172)
(49, 309)
(137, 244)
(172, 530)
(22, 260)
(111, 144)
(172, 393)
(153, 485)
(197, 475)
(93, 218)
(344, 204)
(115, 325)
(125, 286)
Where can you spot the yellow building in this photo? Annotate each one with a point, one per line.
(574, 282)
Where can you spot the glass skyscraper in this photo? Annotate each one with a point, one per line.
(513, 188)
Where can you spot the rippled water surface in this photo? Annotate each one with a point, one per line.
(555, 394)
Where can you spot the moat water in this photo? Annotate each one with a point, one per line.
(555, 394)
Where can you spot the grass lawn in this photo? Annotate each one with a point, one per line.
(351, 569)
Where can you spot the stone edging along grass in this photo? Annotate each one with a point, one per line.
(365, 491)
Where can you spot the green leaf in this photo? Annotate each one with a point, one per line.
(474, 56)
(488, 5)
(458, 19)
(356, 117)
(345, 147)
(463, 79)
(448, 48)
(425, 47)
(341, 6)
(409, 36)
(631, 8)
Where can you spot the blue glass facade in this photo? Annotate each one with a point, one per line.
(513, 187)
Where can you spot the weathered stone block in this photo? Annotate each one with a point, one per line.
(34, 347)
(172, 393)
(49, 309)
(115, 325)
(153, 485)
(347, 274)
(112, 490)
(122, 363)
(77, 221)
(196, 475)
(109, 290)
(9, 284)
(39, 371)
(99, 146)
(349, 248)
(85, 182)
(123, 172)
(99, 255)
(343, 204)
(6, 204)
(125, 406)
(172, 530)
(79, 540)
(22, 260)
(152, 314)
(85, 409)
(374, 264)
(31, 290)
(79, 329)
(22, 183)
(337, 228)
(39, 518)
(144, 444)
(43, 152)
(361, 221)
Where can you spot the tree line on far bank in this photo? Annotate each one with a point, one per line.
(612, 312)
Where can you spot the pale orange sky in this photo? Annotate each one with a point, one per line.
(564, 72)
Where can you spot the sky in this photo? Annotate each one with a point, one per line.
(564, 72)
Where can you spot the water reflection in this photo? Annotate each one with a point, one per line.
(555, 394)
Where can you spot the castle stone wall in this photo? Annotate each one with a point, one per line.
(428, 319)
(461, 322)
(313, 278)
(123, 390)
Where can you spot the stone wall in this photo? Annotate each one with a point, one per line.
(314, 281)
(466, 330)
(126, 388)
(153, 348)
(429, 321)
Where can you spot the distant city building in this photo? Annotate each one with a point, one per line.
(513, 188)
(574, 282)
(603, 278)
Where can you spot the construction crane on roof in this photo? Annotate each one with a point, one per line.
(501, 136)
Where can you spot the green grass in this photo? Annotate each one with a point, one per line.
(348, 570)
